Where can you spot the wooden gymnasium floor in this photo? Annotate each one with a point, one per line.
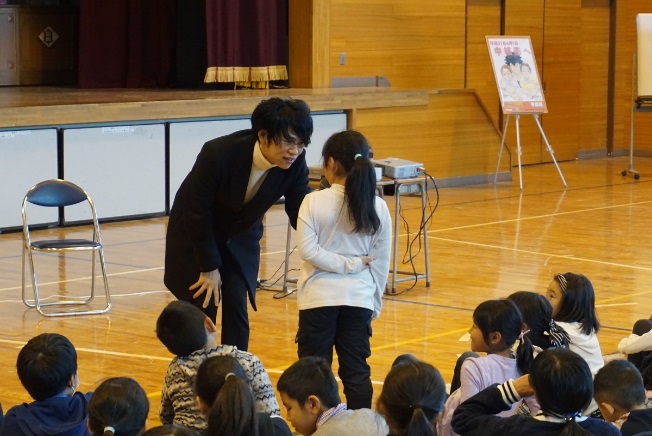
(485, 242)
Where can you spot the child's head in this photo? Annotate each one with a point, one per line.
(573, 300)
(184, 329)
(536, 311)
(47, 366)
(308, 388)
(119, 407)
(506, 72)
(526, 69)
(618, 389)
(562, 383)
(225, 397)
(412, 397)
(497, 324)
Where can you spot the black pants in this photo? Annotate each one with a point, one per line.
(348, 329)
(641, 327)
(235, 318)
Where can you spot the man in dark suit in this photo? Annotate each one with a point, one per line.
(215, 225)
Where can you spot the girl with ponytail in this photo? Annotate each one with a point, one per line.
(412, 397)
(225, 398)
(561, 381)
(497, 330)
(344, 239)
(118, 407)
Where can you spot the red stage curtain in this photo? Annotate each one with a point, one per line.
(246, 41)
(126, 43)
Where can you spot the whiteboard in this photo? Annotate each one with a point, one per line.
(644, 54)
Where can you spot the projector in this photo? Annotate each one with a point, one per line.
(396, 168)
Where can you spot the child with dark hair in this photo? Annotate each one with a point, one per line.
(561, 382)
(225, 398)
(192, 336)
(638, 345)
(497, 326)
(573, 308)
(619, 391)
(344, 238)
(310, 395)
(412, 398)
(536, 312)
(47, 369)
(119, 407)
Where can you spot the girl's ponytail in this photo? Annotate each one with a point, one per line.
(234, 410)
(360, 195)
(524, 354)
(420, 424)
(572, 428)
(221, 385)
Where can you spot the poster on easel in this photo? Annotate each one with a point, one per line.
(517, 77)
(644, 56)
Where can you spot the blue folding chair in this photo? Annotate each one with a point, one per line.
(61, 193)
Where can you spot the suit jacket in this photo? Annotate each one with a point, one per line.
(209, 217)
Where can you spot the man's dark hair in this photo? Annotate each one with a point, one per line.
(281, 117)
(46, 364)
(180, 327)
(310, 376)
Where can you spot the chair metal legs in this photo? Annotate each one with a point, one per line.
(37, 302)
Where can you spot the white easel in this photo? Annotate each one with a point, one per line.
(641, 82)
(518, 147)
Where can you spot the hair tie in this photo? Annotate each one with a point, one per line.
(226, 377)
(520, 337)
(109, 428)
(569, 417)
(357, 156)
(428, 411)
(563, 283)
(558, 336)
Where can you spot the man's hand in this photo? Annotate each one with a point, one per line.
(211, 283)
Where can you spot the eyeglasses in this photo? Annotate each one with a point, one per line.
(287, 145)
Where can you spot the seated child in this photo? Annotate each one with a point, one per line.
(192, 337)
(618, 390)
(311, 397)
(119, 406)
(497, 326)
(638, 345)
(536, 312)
(412, 397)
(226, 400)
(47, 368)
(562, 383)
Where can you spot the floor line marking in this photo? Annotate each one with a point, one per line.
(549, 255)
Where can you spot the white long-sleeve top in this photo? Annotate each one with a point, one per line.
(332, 272)
(635, 344)
(585, 345)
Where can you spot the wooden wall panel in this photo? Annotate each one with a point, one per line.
(561, 77)
(625, 33)
(525, 18)
(483, 17)
(416, 44)
(309, 38)
(594, 75)
(453, 136)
